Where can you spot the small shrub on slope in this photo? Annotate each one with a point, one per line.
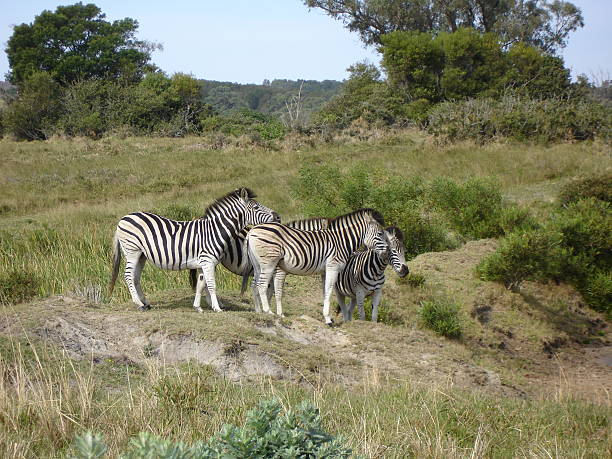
(598, 187)
(18, 285)
(266, 433)
(441, 316)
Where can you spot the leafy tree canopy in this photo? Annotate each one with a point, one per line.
(76, 42)
(545, 24)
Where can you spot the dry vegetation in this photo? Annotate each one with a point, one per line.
(527, 378)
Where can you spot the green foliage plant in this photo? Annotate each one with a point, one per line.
(76, 42)
(18, 285)
(266, 433)
(32, 116)
(442, 316)
(596, 186)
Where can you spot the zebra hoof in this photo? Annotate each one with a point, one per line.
(198, 309)
(144, 307)
(330, 323)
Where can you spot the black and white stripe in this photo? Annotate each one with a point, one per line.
(276, 250)
(175, 245)
(236, 260)
(364, 274)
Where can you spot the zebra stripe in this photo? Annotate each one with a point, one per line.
(295, 251)
(175, 245)
(364, 274)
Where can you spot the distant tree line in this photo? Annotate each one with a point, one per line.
(459, 68)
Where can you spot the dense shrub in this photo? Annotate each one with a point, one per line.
(33, 115)
(366, 97)
(266, 433)
(575, 247)
(442, 316)
(326, 191)
(531, 255)
(475, 208)
(519, 118)
(246, 122)
(598, 187)
(17, 286)
(597, 290)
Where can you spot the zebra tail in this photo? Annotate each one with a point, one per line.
(116, 261)
(245, 282)
(193, 278)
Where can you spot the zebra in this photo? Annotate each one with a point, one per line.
(364, 274)
(272, 245)
(176, 245)
(235, 259)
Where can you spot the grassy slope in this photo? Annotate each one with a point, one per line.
(61, 199)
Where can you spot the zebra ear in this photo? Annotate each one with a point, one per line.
(244, 194)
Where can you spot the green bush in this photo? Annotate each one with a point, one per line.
(33, 115)
(246, 122)
(266, 433)
(575, 247)
(415, 280)
(598, 187)
(325, 191)
(475, 209)
(520, 118)
(531, 255)
(442, 316)
(18, 285)
(585, 228)
(597, 291)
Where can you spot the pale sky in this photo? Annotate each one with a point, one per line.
(247, 41)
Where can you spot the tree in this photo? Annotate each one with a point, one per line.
(542, 23)
(76, 42)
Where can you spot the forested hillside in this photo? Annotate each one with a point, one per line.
(270, 97)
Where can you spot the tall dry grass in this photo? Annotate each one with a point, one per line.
(46, 398)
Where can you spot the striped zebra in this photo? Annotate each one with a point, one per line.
(235, 260)
(294, 251)
(175, 245)
(364, 274)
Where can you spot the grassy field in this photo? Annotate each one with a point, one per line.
(390, 389)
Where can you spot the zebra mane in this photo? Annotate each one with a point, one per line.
(232, 195)
(395, 231)
(311, 219)
(376, 215)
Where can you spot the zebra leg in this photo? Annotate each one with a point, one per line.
(331, 275)
(279, 281)
(351, 308)
(360, 297)
(256, 300)
(265, 276)
(133, 268)
(375, 303)
(137, 273)
(208, 268)
(198, 292)
(342, 305)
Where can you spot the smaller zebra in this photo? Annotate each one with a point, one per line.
(364, 274)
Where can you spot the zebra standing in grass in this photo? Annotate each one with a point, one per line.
(235, 259)
(175, 245)
(272, 245)
(364, 274)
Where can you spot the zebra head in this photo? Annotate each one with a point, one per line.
(256, 212)
(395, 250)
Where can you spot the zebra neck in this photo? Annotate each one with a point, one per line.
(379, 262)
